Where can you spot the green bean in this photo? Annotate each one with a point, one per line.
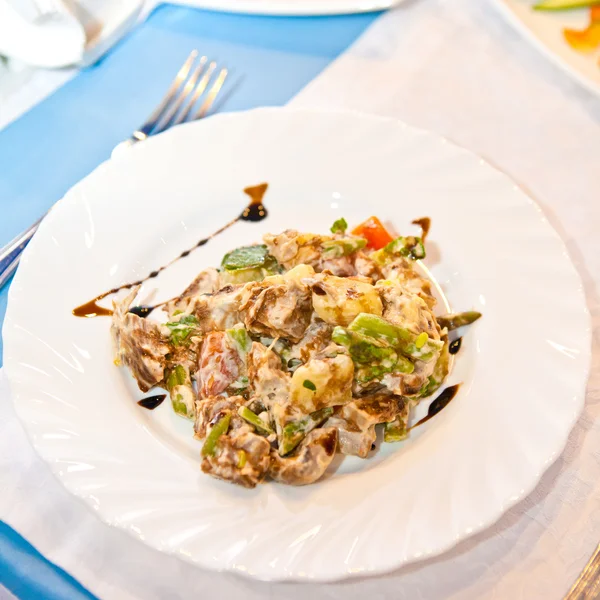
(454, 321)
(219, 428)
(254, 419)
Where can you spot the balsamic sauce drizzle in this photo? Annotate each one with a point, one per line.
(425, 224)
(455, 346)
(151, 402)
(255, 211)
(438, 404)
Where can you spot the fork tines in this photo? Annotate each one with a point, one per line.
(186, 98)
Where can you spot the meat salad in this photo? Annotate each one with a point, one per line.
(295, 349)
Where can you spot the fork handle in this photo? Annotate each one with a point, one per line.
(11, 253)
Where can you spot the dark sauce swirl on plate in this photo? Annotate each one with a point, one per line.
(254, 212)
(439, 404)
(152, 402)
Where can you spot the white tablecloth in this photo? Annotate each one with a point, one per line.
(455, 67)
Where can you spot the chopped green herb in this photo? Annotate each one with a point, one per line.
(246, 257)
(309, 385)
(183, 330)
(339, 226)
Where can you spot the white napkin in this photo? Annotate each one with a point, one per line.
(453, 66)
(60, 33)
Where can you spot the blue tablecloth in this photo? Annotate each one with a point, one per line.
(63, 138)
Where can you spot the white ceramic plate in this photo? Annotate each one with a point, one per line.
(294, 7)
(545, 31)
(523, 366)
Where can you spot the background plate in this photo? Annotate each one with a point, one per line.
(523, 369)
(294, 7)
(544, 29)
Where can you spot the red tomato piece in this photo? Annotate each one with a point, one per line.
(374, 232)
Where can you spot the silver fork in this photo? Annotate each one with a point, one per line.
(185, 100)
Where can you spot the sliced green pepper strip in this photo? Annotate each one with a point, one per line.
(440, 372)
(401, 339)
(343, 247)
(254, 419)
(181, 391)
(293, 433)
(219, 428)
(454, 321)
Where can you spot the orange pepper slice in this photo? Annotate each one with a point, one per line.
(588, 39)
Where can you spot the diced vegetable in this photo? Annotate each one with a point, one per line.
(293, 433)
(440, 372)
(219, 428)
(339, 226)
(410, 247)
(454, 321)
(183, 397)
(331, 380)
(399, 338)
(584, 40)
(337, 300)
(395, 431)
(254, 419)
(242, 459)
(564, 4)
(183, 330)
(374, 232)
(240, 338)
(343, 247)
(371, 359)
